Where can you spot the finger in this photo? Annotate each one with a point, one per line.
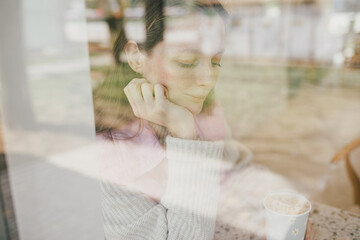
(134, 103)
(134, 95)
(137, 81)
(135, 88)
(135, 85)
(147, 93)
(160, 93)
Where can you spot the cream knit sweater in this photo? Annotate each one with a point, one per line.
(188, 208)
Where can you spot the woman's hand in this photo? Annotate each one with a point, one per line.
(150, 102)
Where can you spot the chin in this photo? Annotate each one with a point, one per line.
(195, 109)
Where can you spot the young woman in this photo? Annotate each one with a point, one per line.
(161, 168)
(164, 151)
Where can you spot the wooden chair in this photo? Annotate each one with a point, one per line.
(344, 154)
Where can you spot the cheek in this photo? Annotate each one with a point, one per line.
(176, 81)
(157, 72)
(165, 77)
(170, 77)
(160, 70)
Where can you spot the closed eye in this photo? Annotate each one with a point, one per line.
(216, 59)
(215, 64)
(188, 65)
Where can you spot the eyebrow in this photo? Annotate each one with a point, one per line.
(196, 51)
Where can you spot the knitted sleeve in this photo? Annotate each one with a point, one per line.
(188, 208)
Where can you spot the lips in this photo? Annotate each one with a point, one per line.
(197, 97)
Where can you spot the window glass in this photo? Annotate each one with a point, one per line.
(169, 119)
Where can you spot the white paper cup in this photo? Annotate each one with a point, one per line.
(285, 226)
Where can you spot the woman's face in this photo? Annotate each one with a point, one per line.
(188, 60)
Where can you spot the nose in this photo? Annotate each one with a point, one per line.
(207, 75)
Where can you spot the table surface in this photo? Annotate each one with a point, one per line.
(241, 214)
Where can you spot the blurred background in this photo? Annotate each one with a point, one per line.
(289, 85)
(289, 82)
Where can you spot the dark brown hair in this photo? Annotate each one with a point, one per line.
(112, 109)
